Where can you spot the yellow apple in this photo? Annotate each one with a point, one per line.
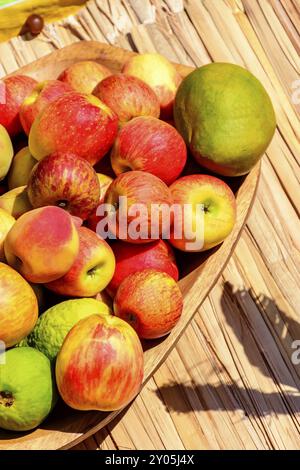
(20, 169)
(160, 75)
(212, 213)
(6, 223)
(15, 202)
(6, 152)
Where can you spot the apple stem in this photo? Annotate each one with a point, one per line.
(92, 271)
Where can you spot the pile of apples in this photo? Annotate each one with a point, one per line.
(51, 190)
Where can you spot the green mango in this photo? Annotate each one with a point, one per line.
(225, 116)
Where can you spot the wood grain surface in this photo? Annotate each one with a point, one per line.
(230, 382)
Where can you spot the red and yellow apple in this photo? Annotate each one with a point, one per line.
(160, 75)
(43, 244)
(67, 181)
(128, 97)
(6, 223)
(84, 76)
(74, 123)
(18, 307)
(20, 169)
(16, 202)
(42, 94)
(6, 152)
(131, 258)
(149, 144)
(94, 219)
(150, 301)
(13, 91)
(139, 202)
(100, 364)
(91, 271)
(216, 218)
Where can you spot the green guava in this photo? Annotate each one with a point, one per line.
(53, 326)
(27, 389)
(225, 116)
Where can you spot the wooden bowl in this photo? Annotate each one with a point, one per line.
(66, 427)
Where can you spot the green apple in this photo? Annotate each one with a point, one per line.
(27, 390)
(6, 152)
(22, 164)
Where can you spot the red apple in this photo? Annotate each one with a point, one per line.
(149, 144)
(160, 75)
(91, 271)
(140, 207)
(150, 301)
(66, 181)
(13, 91)
(94, 219)
(100, 364)
(42, 244)
(131, 258)
(128, 97)
(75, 123)
(216, 217)
(18, 307)
(42, 94)
(84, 76)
